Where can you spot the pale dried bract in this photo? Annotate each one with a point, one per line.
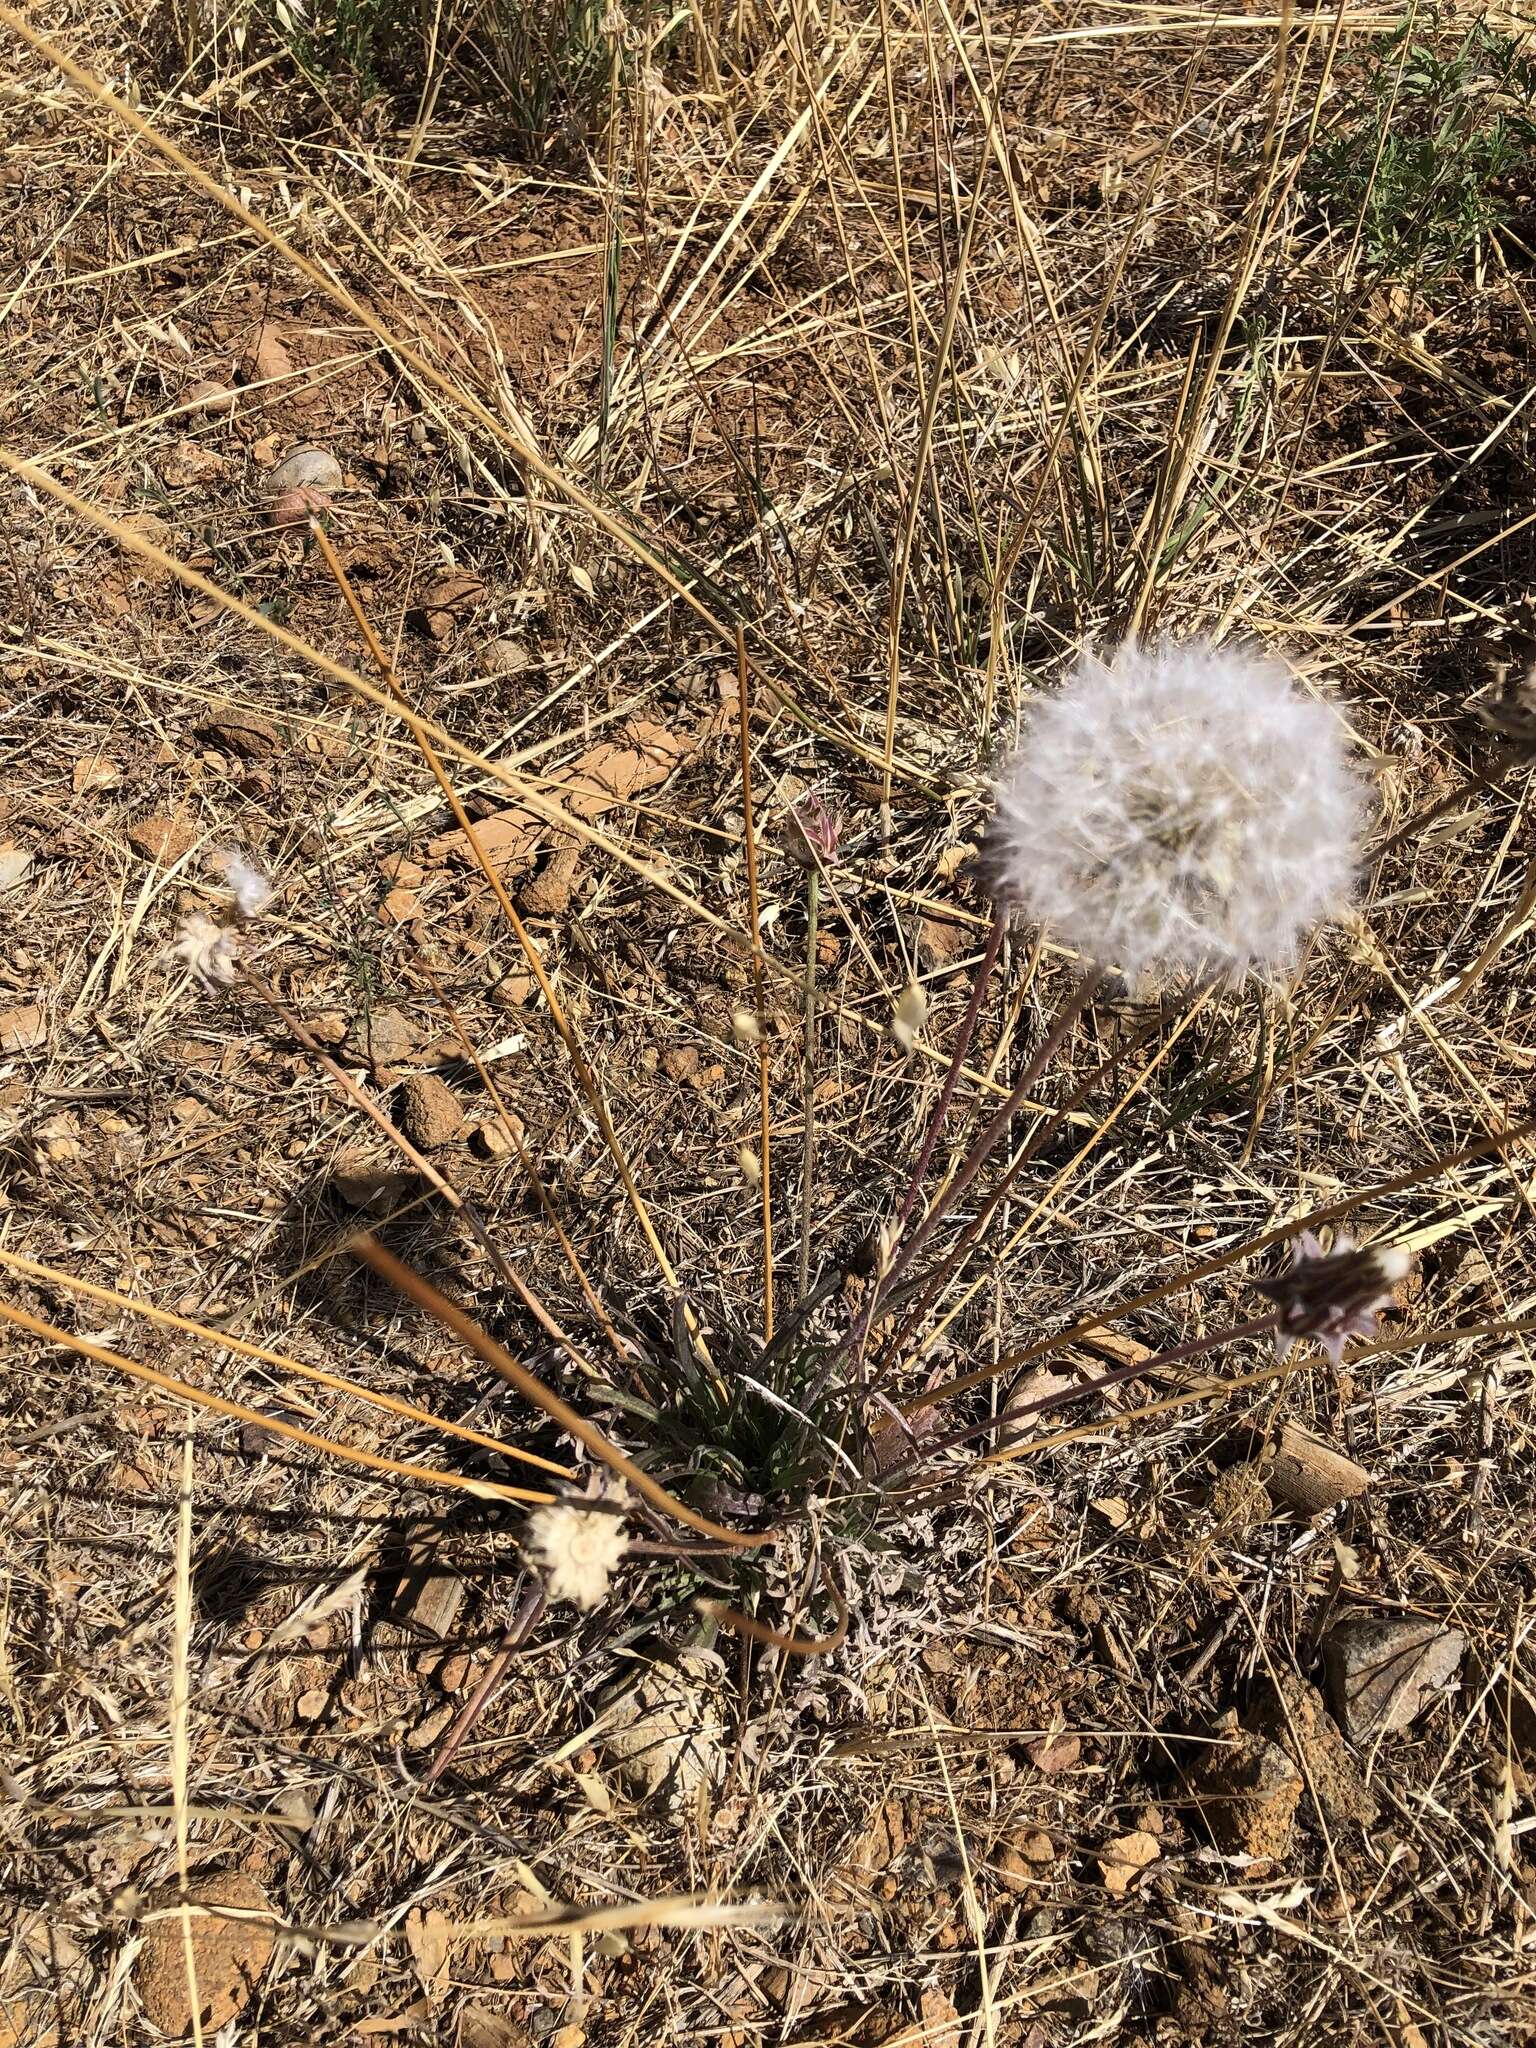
(1178, 808)
(578, 1549)
(207, 951)
(813, 832)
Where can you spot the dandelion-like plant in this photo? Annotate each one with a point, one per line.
(1170, 809)
(1178, 808)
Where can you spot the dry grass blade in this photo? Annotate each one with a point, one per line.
(225, 1340)
(579, 1061)
(686, 1911)
(216, 1404)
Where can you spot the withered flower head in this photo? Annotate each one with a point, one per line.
(1333, 1295)
(578, 1547)
(209, 952)
(814, 832)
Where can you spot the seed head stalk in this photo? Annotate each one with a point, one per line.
(763, 1075)
(808, 1129)
(963, 1039)
(1179, 1354)
(954, 1262)
(980, 1150)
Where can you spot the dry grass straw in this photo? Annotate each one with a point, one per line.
(225, 1340)
(216, 1404)
(1057, 360)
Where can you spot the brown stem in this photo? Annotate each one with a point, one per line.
(529, 1608)
(525, 1160)
(1332, 1213)
(954, 1262)
(1180, 1354)
(963, 1039)
(226, 1340)
(216, 1404)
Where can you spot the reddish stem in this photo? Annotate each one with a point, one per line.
(983, 1147)
(963, 1039)
(956, 1260)
(1180, 1354)
(972, 1164)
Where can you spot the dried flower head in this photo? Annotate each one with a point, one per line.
(814, 832)
(909, 1016)
(247, 884)
(1333, 1295)
(1178, 807)
(207, 950)
(578, 1547)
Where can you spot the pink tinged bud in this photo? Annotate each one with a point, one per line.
(1333, 1295)
(815, 832)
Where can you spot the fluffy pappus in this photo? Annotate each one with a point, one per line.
(252, 891)
(578, 1549)
(1178, 808)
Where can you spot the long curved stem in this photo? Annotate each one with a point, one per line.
(963, 1039)
(533, 1389)
(1179, 1354)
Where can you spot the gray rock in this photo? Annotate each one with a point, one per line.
(307, 469)
(1384, 1672)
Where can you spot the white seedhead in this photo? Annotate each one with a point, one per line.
(1178, 807)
